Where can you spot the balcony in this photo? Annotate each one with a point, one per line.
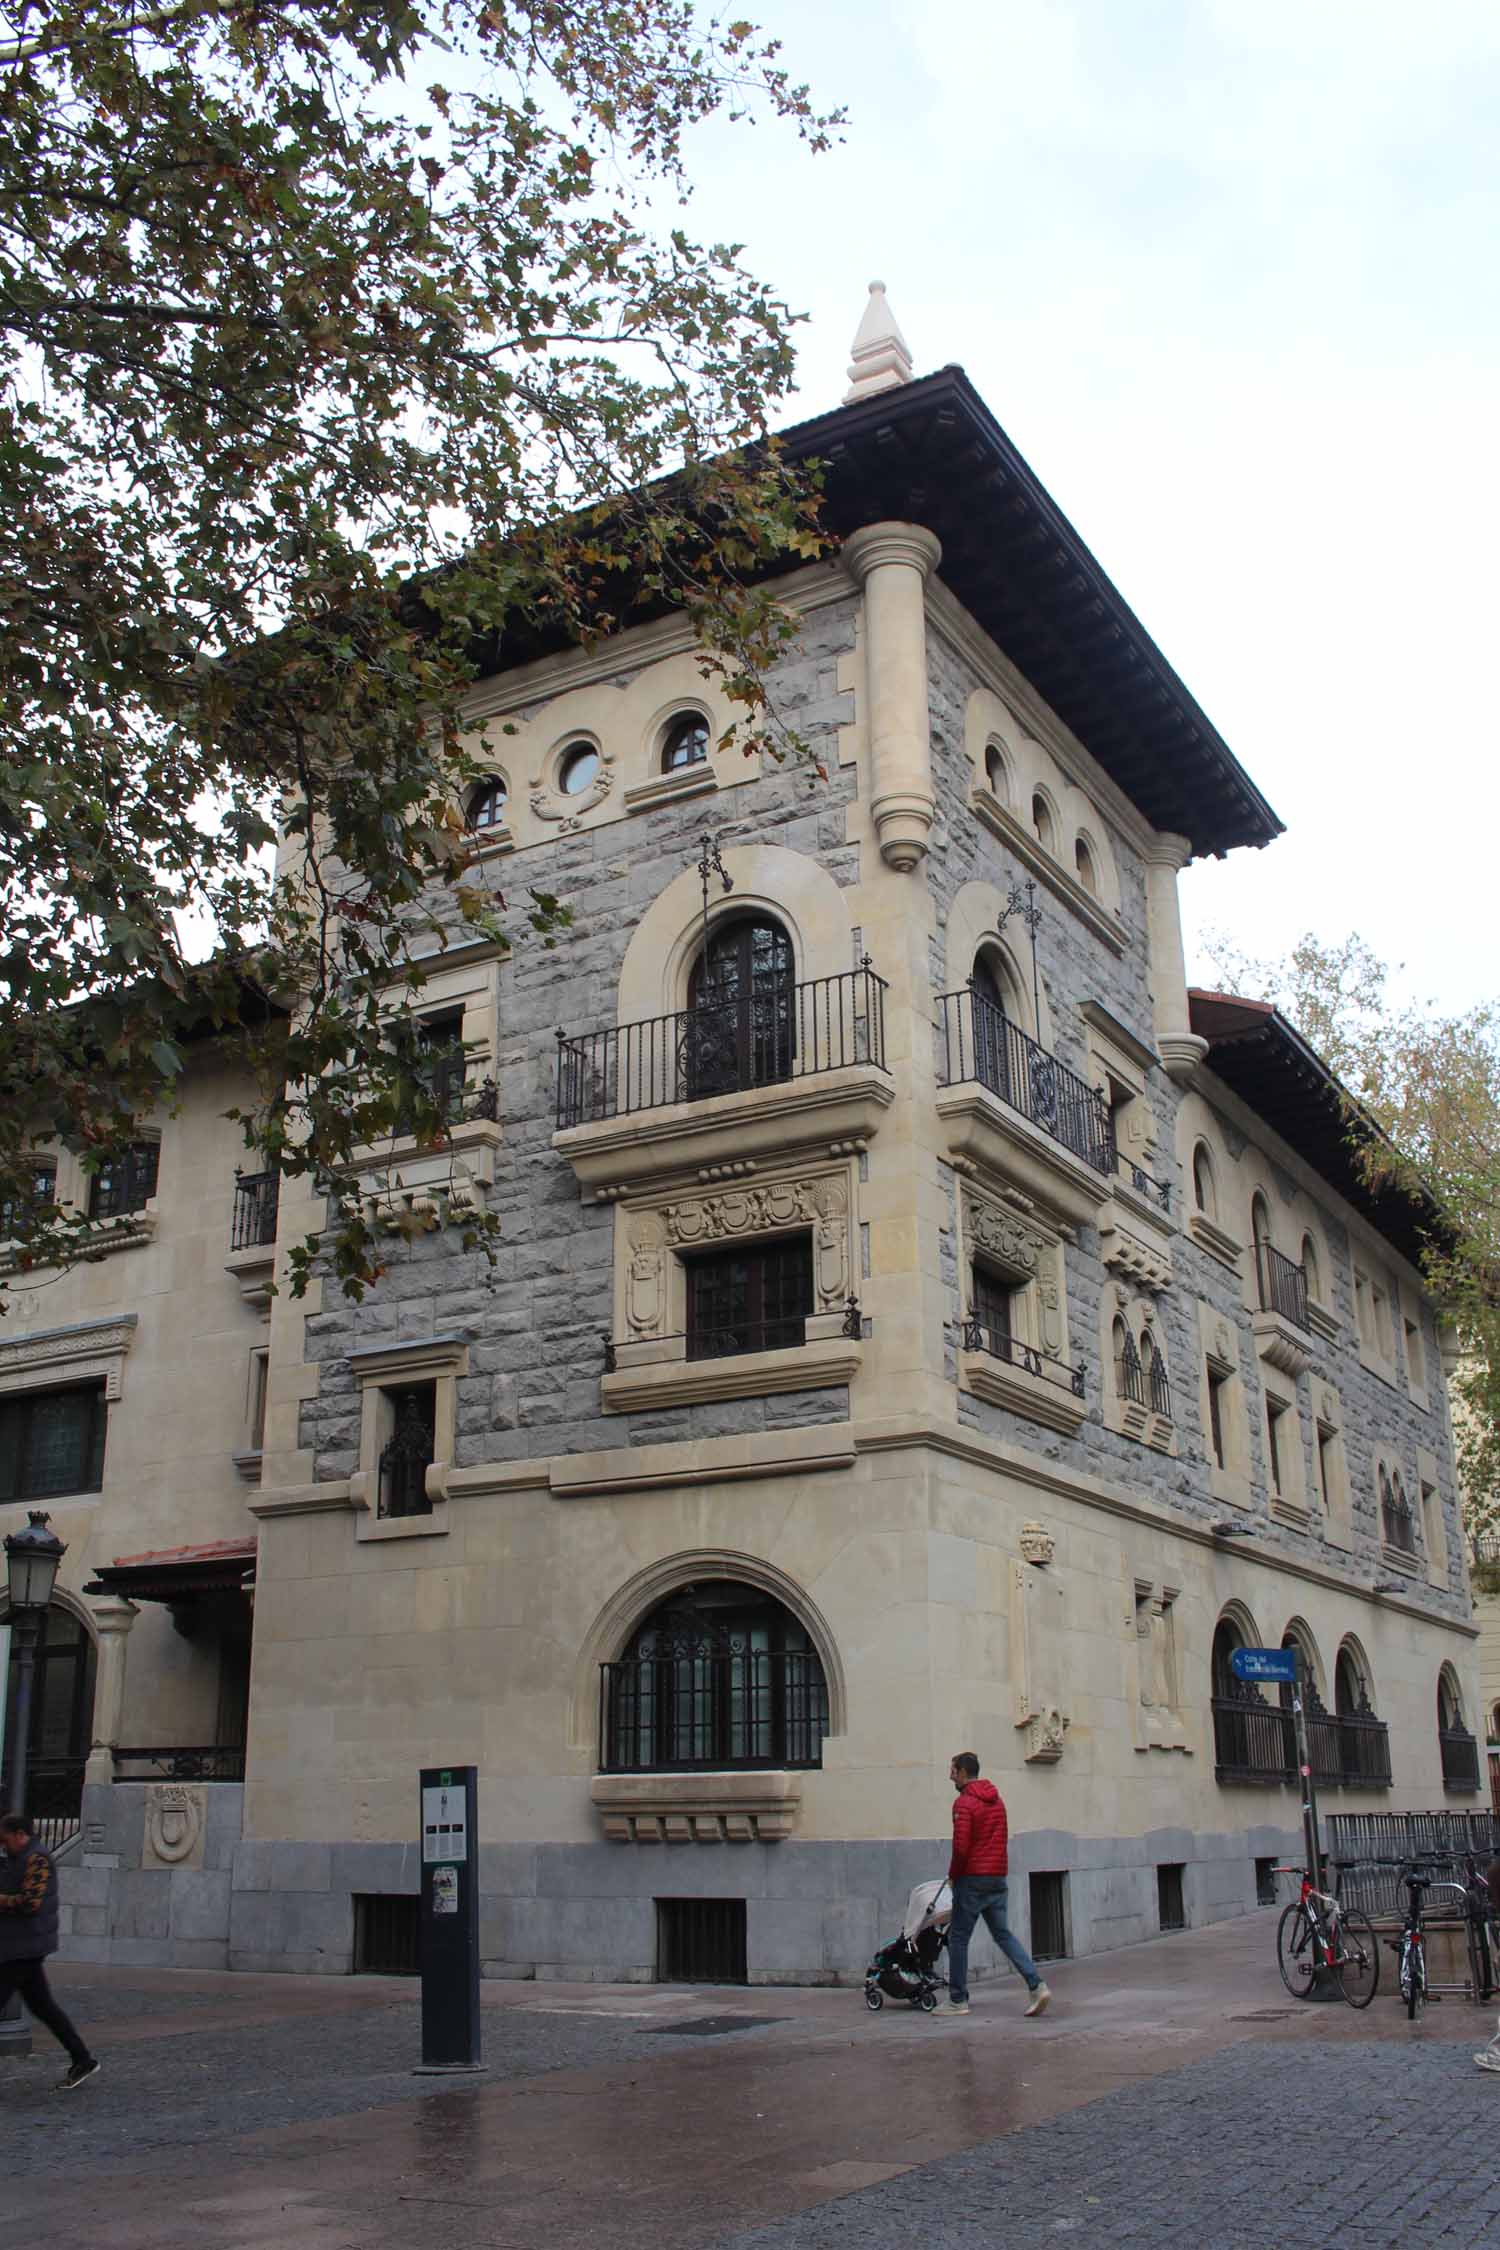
(1460, 1755)
(1255, 1743)
(1007, 1372)
(1014, 1107)
(727, 1082)
(252, 1234)
(743, 1359)
(1283, 1332)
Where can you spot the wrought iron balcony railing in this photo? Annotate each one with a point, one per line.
(716, 1703)
(979, 1336)
(1143, 1383)
(980, 1045)
(221, 1763)
(1252, 1739)
(1255, 1743)
(776, 1031)
(726, 1338)
(256, 1196)
(1398, 1525)
(1283, 1285)
(1460, 1755)
(1145, 1184)
(54, 1798)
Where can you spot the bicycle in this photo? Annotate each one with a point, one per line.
(1411, 1946)
(1483, 1932)
(1318, 1932)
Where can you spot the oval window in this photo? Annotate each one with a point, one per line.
(578, 767)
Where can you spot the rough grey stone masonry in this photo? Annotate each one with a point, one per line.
(534, 1318)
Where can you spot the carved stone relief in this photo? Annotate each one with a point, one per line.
(1006, 1236)
(1037, 1544)
(175, 1815)
(1037, 1662)
(645, 1292)
(818, 1201)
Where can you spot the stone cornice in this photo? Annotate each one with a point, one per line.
(84, 1348)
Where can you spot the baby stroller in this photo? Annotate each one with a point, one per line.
(906, 1969)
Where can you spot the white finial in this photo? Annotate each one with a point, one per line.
(880, 358)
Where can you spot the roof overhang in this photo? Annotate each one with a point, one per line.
(1264, 1059)
(180, 1576)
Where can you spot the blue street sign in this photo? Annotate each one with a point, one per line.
(1264, 1664)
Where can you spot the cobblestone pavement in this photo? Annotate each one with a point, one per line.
(1172, 2093)
(1266, 2146)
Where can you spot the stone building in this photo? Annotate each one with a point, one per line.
(918, 1322)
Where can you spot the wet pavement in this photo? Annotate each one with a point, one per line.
(1173, 2090)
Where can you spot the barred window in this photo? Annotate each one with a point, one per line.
(52, 1442)
(719, 1676)
(754, 1299)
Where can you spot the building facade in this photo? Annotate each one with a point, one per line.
(918, 1322)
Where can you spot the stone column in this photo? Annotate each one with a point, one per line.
(112, 1617)
(1178, 1044)
(892, 561)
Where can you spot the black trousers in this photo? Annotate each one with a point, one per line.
(29, 1978)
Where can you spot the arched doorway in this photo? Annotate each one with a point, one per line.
(720, 1675)
(62, 1717)
(1249, 1735)
(740, 1025)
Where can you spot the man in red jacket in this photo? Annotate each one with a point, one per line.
(977, 1872)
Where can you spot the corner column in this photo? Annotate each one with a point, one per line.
(892, 561)
(1179, 1045)
(112, 1618)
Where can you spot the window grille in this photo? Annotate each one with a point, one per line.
(409, 1451)
(1049, 1916)
(386, 1935)
(727, 1678)
(700, 1941)
(749, 1300)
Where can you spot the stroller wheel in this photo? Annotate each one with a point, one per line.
(874, 1999)
(927, 2003)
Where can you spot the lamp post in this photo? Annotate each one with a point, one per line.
(31, 1560)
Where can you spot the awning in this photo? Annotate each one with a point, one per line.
(180, 1576)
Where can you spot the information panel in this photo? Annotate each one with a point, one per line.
(450, 1918)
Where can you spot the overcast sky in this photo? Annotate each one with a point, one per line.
(1225, 272)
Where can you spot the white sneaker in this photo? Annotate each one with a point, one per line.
(1490, 2059)
(1039, 1999)
(958, 2007)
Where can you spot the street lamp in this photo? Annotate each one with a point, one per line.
(31, 1560)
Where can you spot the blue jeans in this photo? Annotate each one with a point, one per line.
(973, 1896)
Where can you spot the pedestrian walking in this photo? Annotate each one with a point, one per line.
(977, 1872)
(28, 1933)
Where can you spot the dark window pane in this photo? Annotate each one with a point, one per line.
(992, 1303)
(753, 1300)
(51, 1442)
(126, 1182)
(408, 1451)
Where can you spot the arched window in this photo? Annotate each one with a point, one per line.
(1495, 1724)
(1251, 1737)
(995, 771)
(740, 1025)
(720, 1675)
(996, 1008)
(1449, 1702)
(685, 742)
(1350, 1694)
(62, 1718)
(1083, 863)
(577, 769)
(1205, 1193)
(1311, 1270)
(1456, 1746)
(1043, 826)
(1128, 1384)
(1364, 1738)
(1397, 1526)
(1154, 1377)
(487, 805)
(1260, 1221)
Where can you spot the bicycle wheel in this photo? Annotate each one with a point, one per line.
(1414, 1976)
(1296, 1951)
(1358, 1966)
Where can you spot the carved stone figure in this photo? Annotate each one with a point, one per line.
(645, 1297)
(1037, 1544)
